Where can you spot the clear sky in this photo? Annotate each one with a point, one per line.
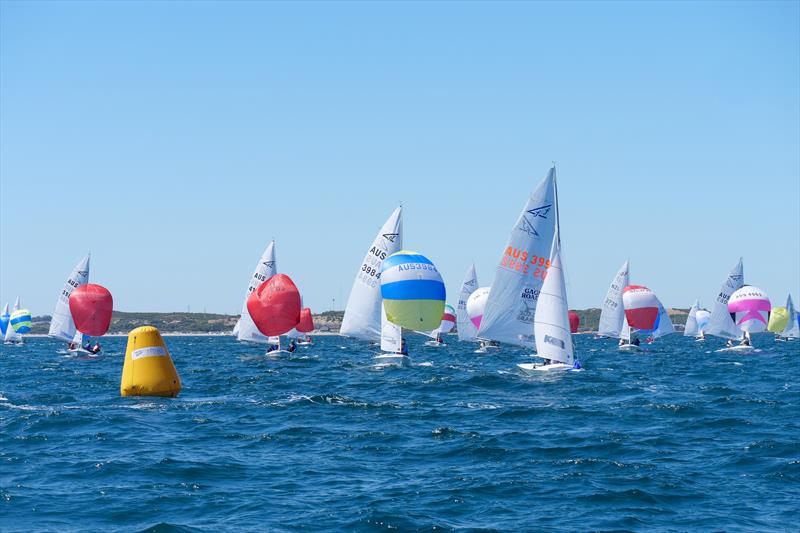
(174, 140)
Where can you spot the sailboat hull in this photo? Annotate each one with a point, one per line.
(392, 360)
(552, 367)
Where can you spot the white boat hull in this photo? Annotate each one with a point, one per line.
(539, 367)
(435, 344)
(277, 353)
(630, 348)
(393, 360)
(737, 349)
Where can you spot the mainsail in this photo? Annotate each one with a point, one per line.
(362, 315)
(551, 324)
(691, 329)
(792, 330)
(61, 325)
(721, 324)
(245, 329)
(511, 305)
(612, 315)
(466, 329)
(11, 335)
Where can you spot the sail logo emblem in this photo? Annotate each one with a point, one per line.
(541, 212)
(733, 281)
(471, 283)
(390, 236)
(527, 227)
(269, 264)
(83, 273)
(554, 341)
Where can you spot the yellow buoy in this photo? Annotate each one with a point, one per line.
(148, 368)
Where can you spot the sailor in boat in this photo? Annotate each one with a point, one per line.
(292, 346)
(745, 341)
(622, 342)
(93, 349)
(729, 344)
(273, 348)
(702, 336)
(72, 346)
(650, 339)
(403, 347)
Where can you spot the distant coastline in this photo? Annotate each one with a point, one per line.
(327, 323)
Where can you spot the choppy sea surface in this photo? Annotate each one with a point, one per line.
(678, 438)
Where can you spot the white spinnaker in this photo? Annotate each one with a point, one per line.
(511, 305)
(362, 315)
(690, 329)
(391, 334)
(61, 325)
(551, 324)
(792, 328)
(721, 324)
(665, 326)
(466, 329)
(612, 316)
(11, 335)
(245, 329)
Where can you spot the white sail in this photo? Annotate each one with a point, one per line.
(11, 335)
(625, 332)
(665, 326)
(551, 324)
(362, 315)
(61, 325)
(78, 339)
(792, 329)
(721, 324)
(511, 305)
(391, 335)
(690, 329)
(245, 329)
(612, 316)
(466, 329)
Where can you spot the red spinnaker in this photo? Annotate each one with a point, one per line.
(306, 324)
(275, 305)
(91, 307)
(574, 322)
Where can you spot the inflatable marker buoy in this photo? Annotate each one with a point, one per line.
(148, 368)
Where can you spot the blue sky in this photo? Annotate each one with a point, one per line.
(174, 140)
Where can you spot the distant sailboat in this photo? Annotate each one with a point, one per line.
(245, 329)
(364, 316)
(523, 266)
(721, 324)
(696, 322)
(11, 336)
(448, 322)
(466, 329)
(5, 317)
(792, 329)
(613, 322)
(62, 325)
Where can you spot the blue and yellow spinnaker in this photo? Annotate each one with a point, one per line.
(412, 290)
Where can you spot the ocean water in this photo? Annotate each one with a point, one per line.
(679, 438)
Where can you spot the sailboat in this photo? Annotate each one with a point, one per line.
(526, 259)
(613, 322)
(476, 306)
(245, 329)
(696, 322)
(364, 315)
(5, 317)
(551, 323)
(465, 328)
(448, 322)
(749, 307)
(721, 324)
(11, 336)
(62, 325)
(783, 322)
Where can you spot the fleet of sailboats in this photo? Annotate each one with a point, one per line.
(525, 306)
